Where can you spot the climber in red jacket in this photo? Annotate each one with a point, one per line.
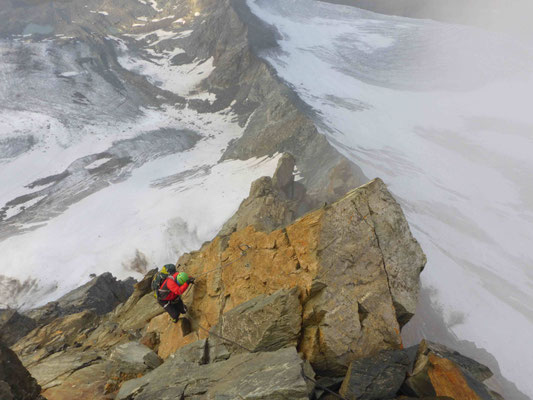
(169, 296)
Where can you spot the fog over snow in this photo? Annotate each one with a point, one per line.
(442, 113)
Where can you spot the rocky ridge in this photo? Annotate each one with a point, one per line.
(327, 291)
(275, 119)
(292, 312)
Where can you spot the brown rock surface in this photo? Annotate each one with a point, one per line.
(56, 336)
(436, 375)
(338, 257)
(264, 323)
(336, 282)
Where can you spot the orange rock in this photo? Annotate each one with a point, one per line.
(448, 380)
(171, 335)
(336, 260)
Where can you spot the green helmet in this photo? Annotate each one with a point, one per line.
(182, 278)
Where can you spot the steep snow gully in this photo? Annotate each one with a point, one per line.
(442, 113)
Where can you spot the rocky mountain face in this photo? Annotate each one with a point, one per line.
(311, 308)
(122, 84)
(100, 295)
(288, 302)
(276, 120)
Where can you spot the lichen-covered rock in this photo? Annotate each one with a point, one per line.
(265, 323)
(435, 375)
(59, 335)
(354, 263)
(16, 383)
(477, 370)
(270, 375)
(379, 377)
(172, 336)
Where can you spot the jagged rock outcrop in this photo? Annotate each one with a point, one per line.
(355, 264)
(337, 283)
(91, 355)
(439, 371)
(16, 383)
(60, 334)
(273, 202)
(265, 323)
(269, 375)
(14, 326)
(275, 119)
(428, 371)
(100, 295)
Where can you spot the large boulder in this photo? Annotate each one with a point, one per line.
(436, 375)
(135, 353)
(379, 377)
(354, 263)
(271, 375)
(16, 383)
(265, 323)
(100, 295)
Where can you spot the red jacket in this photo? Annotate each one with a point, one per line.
(175, 288)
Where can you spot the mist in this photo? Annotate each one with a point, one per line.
(440, 109)
(504, 16)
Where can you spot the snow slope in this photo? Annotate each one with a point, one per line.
(442, 113)
(94, 168)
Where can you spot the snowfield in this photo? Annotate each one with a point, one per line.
(92, 171)
(442, 113)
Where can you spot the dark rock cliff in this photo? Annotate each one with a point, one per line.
(16, 383)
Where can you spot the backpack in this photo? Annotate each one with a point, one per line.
(168, 270)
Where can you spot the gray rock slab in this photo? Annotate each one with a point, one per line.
(100, 295)
(53, 369)
(136, 353)
(270, 375)
(379, 377)
(264, 323)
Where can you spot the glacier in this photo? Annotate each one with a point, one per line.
(101, 159)
(442, 113)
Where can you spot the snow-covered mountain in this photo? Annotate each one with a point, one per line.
(129, 133)
(442, 113)
(102, 154)
(130, 130)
